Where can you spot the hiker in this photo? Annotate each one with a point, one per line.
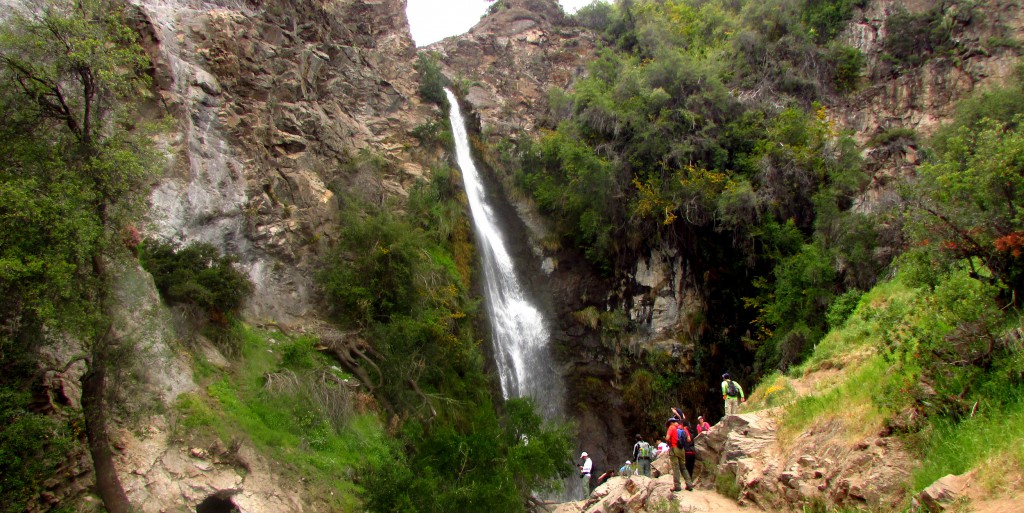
(643, 453)
(677, 454)
(702, 425)
(627, 469)
(604, 477)
(688, 442)
(678, 413)
(662, 447)
(585, 469)
(732, 392)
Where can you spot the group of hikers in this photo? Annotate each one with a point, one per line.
(679, 442)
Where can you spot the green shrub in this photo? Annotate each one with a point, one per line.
(1001, 104)
(827, 18)
(196, 275)
(432, 82)
(299, 354)
(32, 449)
(849, 65)
(1010, 43)
(727, 484)
(841, 308)
(891, 135)
(912, 39)
(434, 133)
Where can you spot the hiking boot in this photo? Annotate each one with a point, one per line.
(689, 488)
(677, 489)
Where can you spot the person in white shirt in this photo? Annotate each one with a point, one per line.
(585, 469)
(662, 447)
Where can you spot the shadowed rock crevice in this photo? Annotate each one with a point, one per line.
(219, 502)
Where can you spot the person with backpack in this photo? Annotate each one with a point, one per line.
(643, 453)
(732, 393)
(678, 437)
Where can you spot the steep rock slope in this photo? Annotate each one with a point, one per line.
(512, 58)
(922, 97)
(274, 103)
(274, 108)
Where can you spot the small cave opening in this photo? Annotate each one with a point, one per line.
(219, 502)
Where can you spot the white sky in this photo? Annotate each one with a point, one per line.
(434, 20)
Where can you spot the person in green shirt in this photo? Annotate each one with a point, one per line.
(732, 393)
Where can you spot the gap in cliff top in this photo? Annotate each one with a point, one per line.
(430, 24)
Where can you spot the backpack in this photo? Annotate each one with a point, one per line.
(731, 389)
(646, 451)
(685, 441)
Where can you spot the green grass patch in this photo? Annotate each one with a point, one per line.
(774, 390)
(727, 485)
(864, 329)
(955, 448)
(274, 398)
(851, 401)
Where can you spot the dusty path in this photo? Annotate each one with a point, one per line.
(710, 501)
(638, 494)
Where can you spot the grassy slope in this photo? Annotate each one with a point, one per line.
(849, 378)
(310, 445)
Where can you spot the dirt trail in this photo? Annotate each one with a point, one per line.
(638, 494)
(710, 501)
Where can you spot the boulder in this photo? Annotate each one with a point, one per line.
(944, 494)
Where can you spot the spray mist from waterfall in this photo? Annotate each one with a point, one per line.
(519, 331)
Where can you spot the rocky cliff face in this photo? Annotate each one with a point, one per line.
(512, 58)
(922, 98)
(275, 102)
(276, 107)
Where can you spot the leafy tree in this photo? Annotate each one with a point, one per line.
(484, 463)
(32, 447)
(72, 168)
(596, 16)
(849, 66)
(968, 203)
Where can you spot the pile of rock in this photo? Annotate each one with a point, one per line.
(822, 466)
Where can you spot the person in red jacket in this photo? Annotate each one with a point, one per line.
(677, 454)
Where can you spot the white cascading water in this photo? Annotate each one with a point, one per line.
(519, 330)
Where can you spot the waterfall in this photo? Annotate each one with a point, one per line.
(519, 331)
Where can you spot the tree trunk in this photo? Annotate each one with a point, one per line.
(94, 387)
